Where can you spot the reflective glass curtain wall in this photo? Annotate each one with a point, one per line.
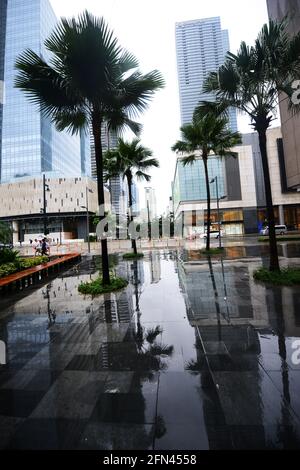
(201, 47)
(3, 7)
(30, 143)
(189, 183)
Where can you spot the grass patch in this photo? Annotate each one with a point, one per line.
(133, 256)
(96, 287)
(290, 238)
(285, 277)
(212, 251)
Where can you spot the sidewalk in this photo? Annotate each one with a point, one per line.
(187, 357)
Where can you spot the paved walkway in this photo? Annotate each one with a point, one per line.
(189, 356)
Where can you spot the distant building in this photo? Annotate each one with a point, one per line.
(109, 140)
(240, 182)
(278, 9)
(30, 144)
(201, 47)
(119, 195)
(150, 203)
(135, 199)
(21, 204)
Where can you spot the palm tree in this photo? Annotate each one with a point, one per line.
(89, 80)
(207, 135)
(130, 159)
(250, 81)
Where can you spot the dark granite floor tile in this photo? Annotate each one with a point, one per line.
(109, 436)
(287, 383)
(43, 379)
(181, 398)
(118, 382)
(8, 426)
(251, 398)
(125, 408)
(264, 437)
(19, 380)
(272, 362)
(43, 434)
(19, 403)
(145, 382)
(182, 437)
(72, 396)
(7, 373)
(85, 362)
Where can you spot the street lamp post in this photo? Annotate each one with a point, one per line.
(44, 209)
(87, 217)
(215, 180)
(149, 222)
(148, 213)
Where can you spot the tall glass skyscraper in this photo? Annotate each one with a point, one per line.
(201, 47)
(30, 144)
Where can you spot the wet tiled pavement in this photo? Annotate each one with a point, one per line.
(189, 356)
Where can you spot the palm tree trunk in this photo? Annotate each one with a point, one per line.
(274, 261)
(204, 158)
(133, 240)
(96, 125)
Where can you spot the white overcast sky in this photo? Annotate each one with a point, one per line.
(147, 29)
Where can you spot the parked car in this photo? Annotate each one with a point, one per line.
(213, 234)
(279, 229)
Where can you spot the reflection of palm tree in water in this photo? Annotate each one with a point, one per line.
(150, 352)
(51, 313)
(288, 436)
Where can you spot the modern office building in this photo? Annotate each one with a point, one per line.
(109, 140)
(290, 125)
(22, 203)
(135, 199)
(29, 143)
(118, 195)
(117, 185)
(201, 47)
(240, 188)
(150, 203)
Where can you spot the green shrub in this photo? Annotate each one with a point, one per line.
(8, 268)
(133, 255)
(25, 263)
(93, 238)
(285, 277)
(8, 256)
(20, 264)
(96, 287)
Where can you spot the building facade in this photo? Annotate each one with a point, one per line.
(22, 202)
(240, 187)
(135, 199)
(30, 144)
(201, 47)
(290, 125)
(150, 203)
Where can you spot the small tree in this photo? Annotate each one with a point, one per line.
(5, 233)
(130, 159)
(207, 135)
(88, 81)
(250, 81)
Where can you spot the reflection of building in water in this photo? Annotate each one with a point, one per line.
(155, 266)
(225, 335)
(244, 350)
(118, 308)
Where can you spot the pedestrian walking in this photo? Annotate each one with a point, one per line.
(36, 247)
